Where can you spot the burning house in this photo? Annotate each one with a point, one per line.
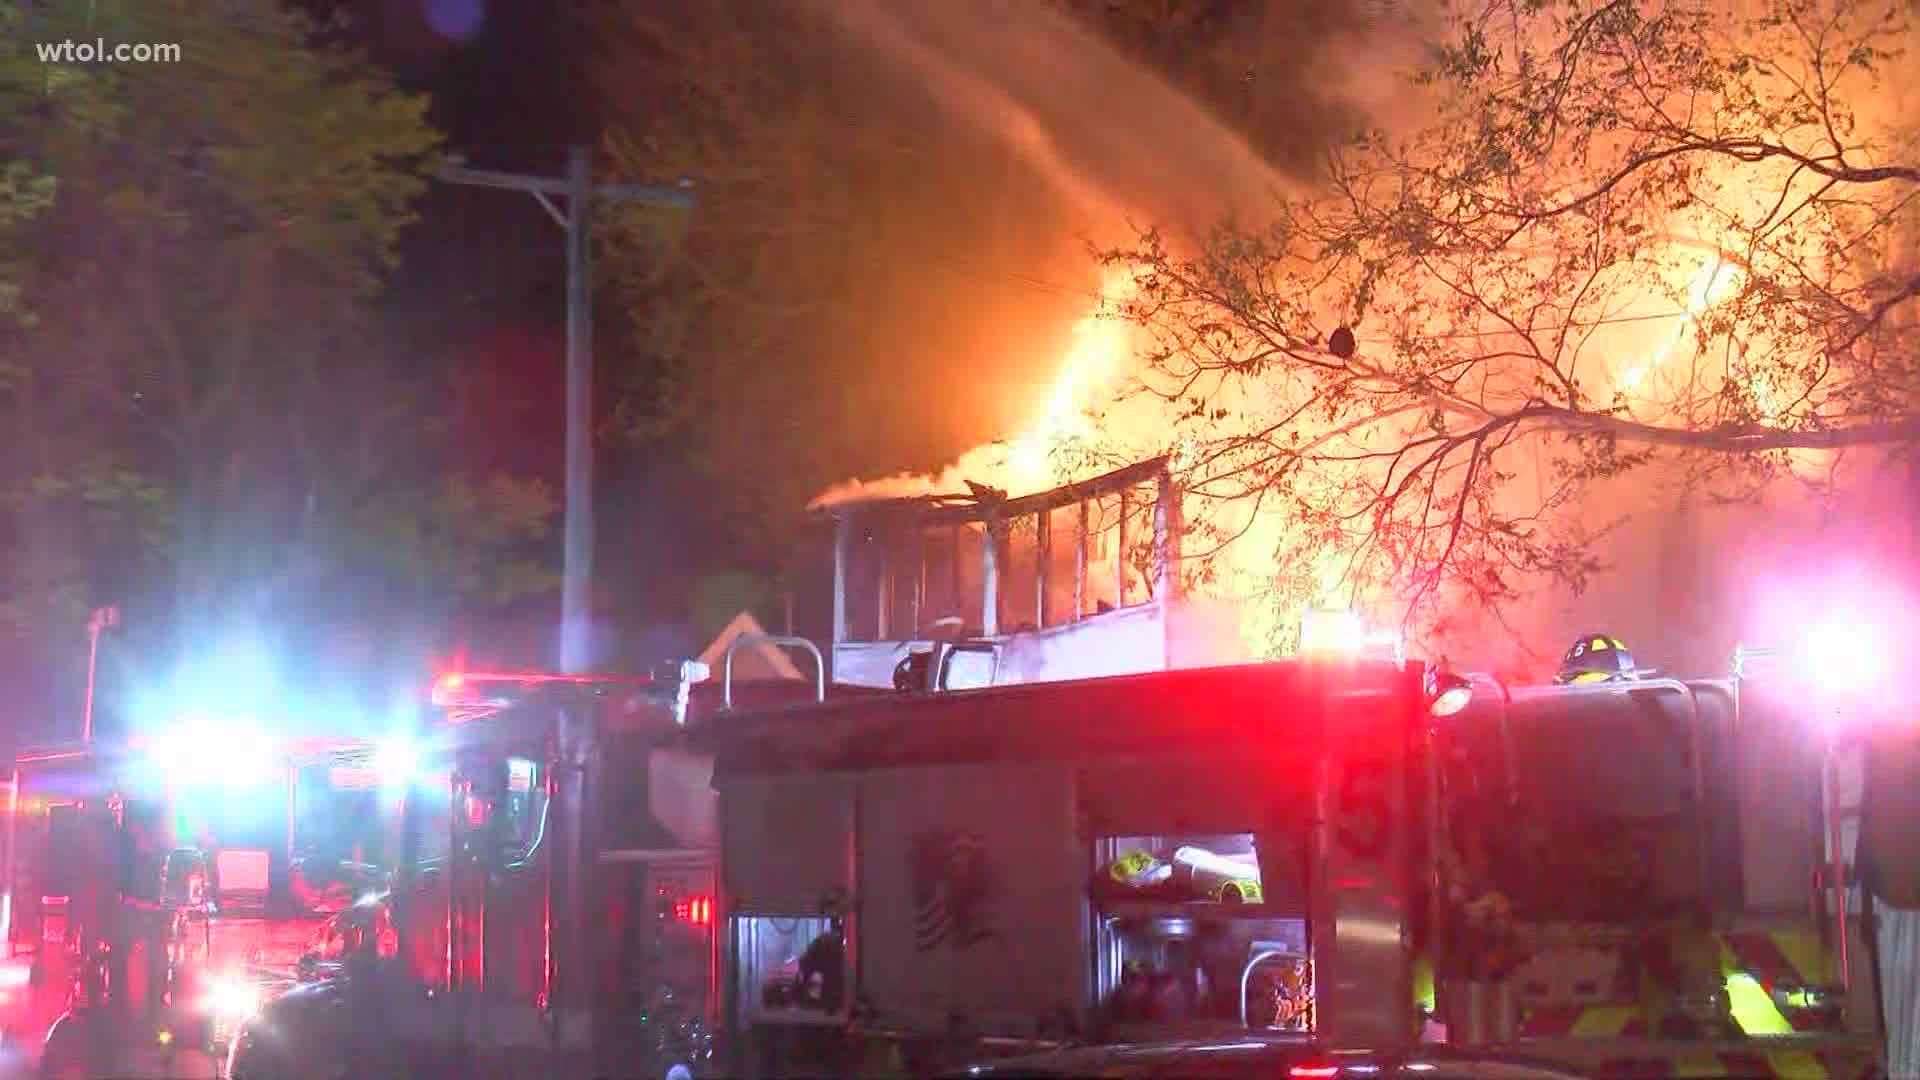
(1077, 581)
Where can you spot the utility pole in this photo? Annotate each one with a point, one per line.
(579, 191)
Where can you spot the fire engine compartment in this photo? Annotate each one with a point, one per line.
(1035, 863)
(1184, 938)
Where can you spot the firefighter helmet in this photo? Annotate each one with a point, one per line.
(1596, 658)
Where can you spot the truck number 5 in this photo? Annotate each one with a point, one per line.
(1366, 818)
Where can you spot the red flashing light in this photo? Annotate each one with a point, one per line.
(469, 687)
(1314, 1072)
(447, 689)
(696, 911)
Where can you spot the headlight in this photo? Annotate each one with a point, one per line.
(396, 760)
(1847, 655)
(231, 997)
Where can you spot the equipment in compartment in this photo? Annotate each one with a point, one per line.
(1215, 869)
(793, 965)
(1186, 943)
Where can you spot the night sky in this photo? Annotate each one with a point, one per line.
(483, 273)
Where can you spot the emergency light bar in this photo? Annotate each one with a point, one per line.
(497, 690)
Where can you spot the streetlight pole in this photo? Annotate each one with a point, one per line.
(580, 192)
(103, 619)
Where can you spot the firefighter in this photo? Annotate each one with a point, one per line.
(825, 957)
(1596, 658)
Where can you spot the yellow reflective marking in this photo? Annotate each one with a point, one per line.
(1803, 950)
(1603, 1021)
(1696, 1065)
(1752, 1007)
(1796, 1065)
(1423, 992)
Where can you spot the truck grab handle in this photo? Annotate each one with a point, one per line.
(726, 668)
(1246, 975)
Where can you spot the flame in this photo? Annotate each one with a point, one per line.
(1712, 283)
(1100, 341)
(1654, 318)
(1099, 349)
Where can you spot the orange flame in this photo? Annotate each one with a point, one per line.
(1095, 362)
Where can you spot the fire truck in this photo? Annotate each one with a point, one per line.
(1639, 878)
(552, 905)
(157, 889)
(1648, 877)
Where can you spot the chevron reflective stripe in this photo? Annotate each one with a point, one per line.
(1550, 1021)
(1753, 1008)
(1694, 1065)
(1764, 969)
(1583, 1021)
(1797, 1065)
(1783, 959)
(1805, 954)
(1604, 1021)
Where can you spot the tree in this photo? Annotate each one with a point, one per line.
(210, 423)
(1618, 238)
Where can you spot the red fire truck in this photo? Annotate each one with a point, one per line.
(553, 903)
(1352, 859)
(157, 890)
(1634, 878)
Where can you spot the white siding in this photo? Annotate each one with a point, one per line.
(1899, 947)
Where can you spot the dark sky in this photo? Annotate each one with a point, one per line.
(483, 274)
(504, 74)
